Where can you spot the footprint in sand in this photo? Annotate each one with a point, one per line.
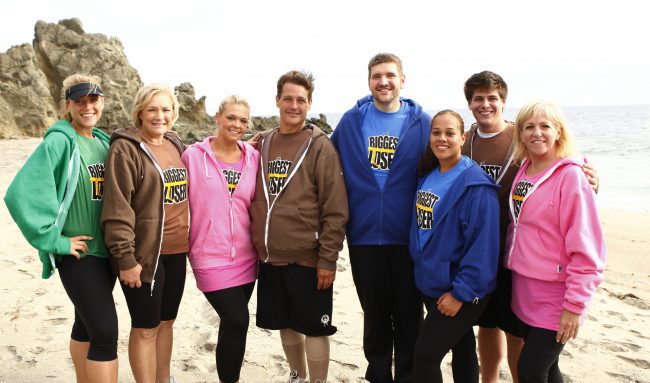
(53, 308)
(57, 321)
(27, 273)
(617, 315)
(209, 346)
(188, 365)
(347, 365)
(619, 377)
(618, 346)
(4, 263)
(638, 334)
(637, 362)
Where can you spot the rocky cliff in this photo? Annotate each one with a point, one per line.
(31, 76)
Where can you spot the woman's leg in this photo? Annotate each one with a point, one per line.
(438, 334)
(464, 362)
(144, 306)
(93, 345)
(231, 305)
(79, 355)
(142, 353)
(172, 293)
(539, 358)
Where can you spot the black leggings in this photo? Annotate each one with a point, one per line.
(232, 306)
(439, 334)
(89, 284)
(539, 358)
(148, 308)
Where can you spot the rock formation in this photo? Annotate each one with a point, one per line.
(265, 123)
(31, 76)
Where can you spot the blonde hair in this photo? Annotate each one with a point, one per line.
(233, 99)
(68, 83)
(563, 146)
(144, 97)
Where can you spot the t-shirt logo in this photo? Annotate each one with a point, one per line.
(232, 177)
(278, 170)
(96, 172)
(175, 185)
(381, 150)
(521, 189)
(424, 203)
(492, 170)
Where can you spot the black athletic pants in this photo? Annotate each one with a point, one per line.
(439, 334)
(231, 305)
(89, 284)
(383, 276)
(539, 358)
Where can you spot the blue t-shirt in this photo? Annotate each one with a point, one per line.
(381, 131)
(433, 189)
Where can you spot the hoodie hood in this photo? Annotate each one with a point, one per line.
(64, 126)
(414, 107)
(132, 135)
(205, 149)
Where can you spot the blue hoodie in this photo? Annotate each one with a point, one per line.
(462, 254)
(380, 217)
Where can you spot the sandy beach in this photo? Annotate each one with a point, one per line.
(36, 315)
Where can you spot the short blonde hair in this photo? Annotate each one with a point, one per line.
(143, 98)
(68, 83)
(564, 144)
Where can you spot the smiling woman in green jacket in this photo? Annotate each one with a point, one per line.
(56, 201)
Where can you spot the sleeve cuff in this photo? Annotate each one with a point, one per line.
(576, 309)
(326, 264)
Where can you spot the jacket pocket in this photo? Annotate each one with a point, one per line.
(290, 229)
(258, 213)
(436, 277)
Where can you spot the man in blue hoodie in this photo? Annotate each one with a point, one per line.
(380, 141)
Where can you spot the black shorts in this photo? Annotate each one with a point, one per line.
(149, 308)
(498, 312)
(287, 298)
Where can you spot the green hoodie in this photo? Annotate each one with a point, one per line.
(39, 196)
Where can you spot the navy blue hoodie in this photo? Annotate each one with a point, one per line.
(462, 254)
(380, 217)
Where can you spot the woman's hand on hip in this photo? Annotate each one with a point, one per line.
(78, 244)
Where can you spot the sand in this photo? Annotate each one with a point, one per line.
(36, 315)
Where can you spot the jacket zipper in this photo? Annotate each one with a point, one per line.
(162, 222)
(266, 195)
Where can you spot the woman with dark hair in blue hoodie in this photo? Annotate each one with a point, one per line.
(455, 248)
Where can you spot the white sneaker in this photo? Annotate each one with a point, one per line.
(294, 378)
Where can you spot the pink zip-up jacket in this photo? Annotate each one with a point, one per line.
(558, 237)
(219, 224)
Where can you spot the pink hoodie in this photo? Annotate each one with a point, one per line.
(220, 225)
(557, 238)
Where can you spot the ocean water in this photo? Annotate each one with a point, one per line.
(616, 139)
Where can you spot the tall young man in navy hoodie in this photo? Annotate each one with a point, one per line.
(380, 141)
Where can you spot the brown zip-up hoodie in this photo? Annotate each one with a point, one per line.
(133, 212)
(306, 221)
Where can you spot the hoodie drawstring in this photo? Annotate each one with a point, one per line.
(205, 164)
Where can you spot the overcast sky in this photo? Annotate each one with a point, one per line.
(570, 52)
